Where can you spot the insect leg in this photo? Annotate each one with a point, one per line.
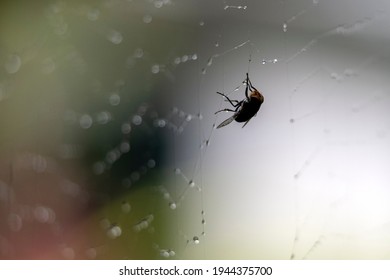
(247, 85)
(238, 103)
(246, 123)
(225, 110)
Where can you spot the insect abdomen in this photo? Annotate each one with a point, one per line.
(248, 110)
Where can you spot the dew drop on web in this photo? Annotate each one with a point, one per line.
(196, 240)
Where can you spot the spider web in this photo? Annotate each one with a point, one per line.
(111, 148)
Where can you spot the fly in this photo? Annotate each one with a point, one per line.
(245, 109)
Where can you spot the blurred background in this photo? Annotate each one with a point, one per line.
(108, 146)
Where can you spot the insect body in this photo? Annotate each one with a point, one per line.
(245, 109)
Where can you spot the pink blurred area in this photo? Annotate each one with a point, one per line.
(44, 209)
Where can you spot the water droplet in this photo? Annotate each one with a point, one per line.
(177, 171)
(155, 68)
(119, 83)
(340, 30)
(194, 56)
(85, 121)
(349, 72)
(263, 61)
(188, 118)
(158, 4)
(99, 167)
(68, 253)
(56, 8)
(114, 232)
(70, 188)
(203, 71)
(126, 128)
(184, 58)
(177, 60)
(138, 53)
(285, 27)
(175, 110)
(13, 63)
(216, 44)
(144, 223)
(151, 163)
(114, 99)
(137, 119)
(126, 182)
(147, 18)
(41, 214)
(135, 176)
(112, 156)
(137, 228)
(103, 117)
(61, 28)
(191, 183)
(91, 253)
(125, 147)
(114, 37)
(93, 14)
(166, 196)
(15, 222)
(172, 205)
(126, 207)
(195, 239)
(336, 76)
(203, 221)
(210, 61)
(160, 123)
(275, 60)
(164, 253)
(201, 23)
(172, 253)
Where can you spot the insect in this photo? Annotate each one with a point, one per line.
(245, 109)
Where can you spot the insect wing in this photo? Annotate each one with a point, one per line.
(226, 122)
